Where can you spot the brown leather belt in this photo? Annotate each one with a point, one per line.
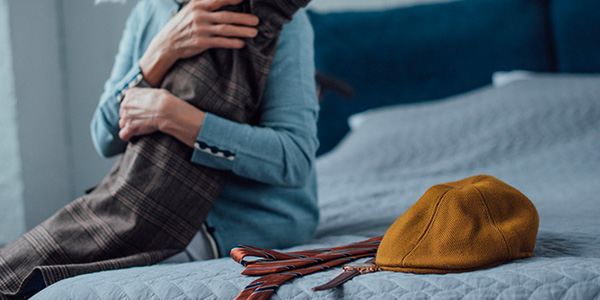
(350, 271)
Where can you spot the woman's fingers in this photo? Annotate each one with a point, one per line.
(227, 43)
(136, 128)
(222, 29)
(126, 133)
(228, 17)
(227, 30)
(198, 27)
(212, 5)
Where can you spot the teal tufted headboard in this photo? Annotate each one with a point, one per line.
(425, 52)
(576, 28)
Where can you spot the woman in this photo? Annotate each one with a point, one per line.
(151, 204)
(270, 199)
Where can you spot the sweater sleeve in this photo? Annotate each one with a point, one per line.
(281, 149)
(105, 122)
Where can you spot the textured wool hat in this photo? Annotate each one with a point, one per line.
(467, 225)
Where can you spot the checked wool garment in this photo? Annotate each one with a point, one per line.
(279, 267)
(154, 199)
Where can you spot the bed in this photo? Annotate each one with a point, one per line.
(540, 134)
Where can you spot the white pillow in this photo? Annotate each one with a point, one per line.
(502, 78)
(499, 79)
(357, 119)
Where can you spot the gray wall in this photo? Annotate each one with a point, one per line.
(41, 118)
(11, 184)
(91, 35)
(62, 54)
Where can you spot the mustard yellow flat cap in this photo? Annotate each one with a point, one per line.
(461, 226)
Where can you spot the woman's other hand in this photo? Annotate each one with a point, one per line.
(193, 30)
(147, 110)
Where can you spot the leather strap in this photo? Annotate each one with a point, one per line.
(347, 274)
(338, 280)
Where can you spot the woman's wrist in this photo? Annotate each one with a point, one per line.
(154, 65)
(181, 120)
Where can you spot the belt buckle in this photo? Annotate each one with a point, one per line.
(362, 268)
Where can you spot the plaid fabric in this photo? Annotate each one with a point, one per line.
(279, 267)
(154, 200)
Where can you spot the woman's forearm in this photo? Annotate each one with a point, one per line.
(276, 154)
(182, 121)
(155, 63)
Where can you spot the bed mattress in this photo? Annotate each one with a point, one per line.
(541, 136)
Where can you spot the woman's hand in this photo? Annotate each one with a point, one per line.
(147, 110)
(193, 30)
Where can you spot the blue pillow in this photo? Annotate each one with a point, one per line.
(424, 52)
(576, 25)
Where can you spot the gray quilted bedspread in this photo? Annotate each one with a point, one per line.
(541, 136)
